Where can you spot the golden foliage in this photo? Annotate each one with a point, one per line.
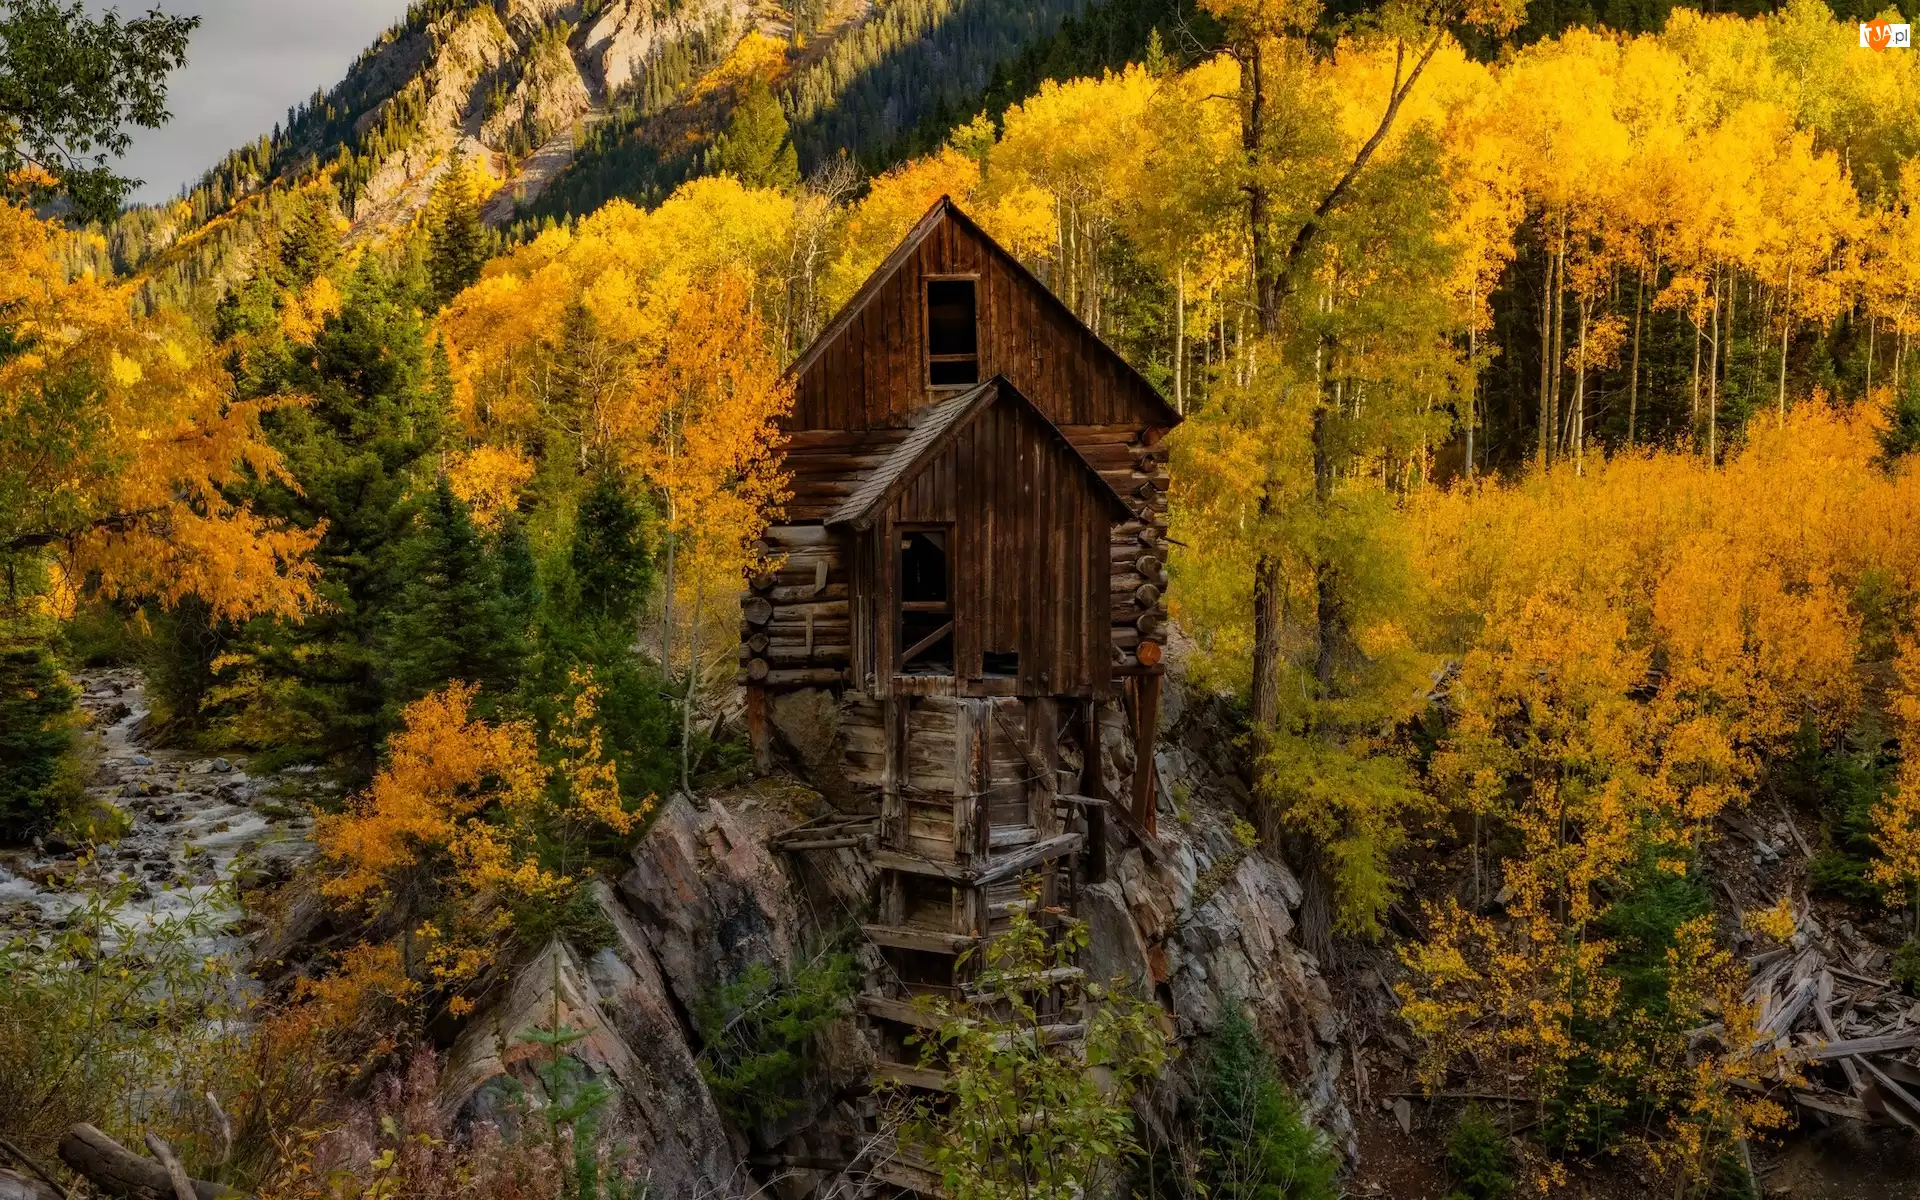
(489, 479)
(473, 799)
(121, 439)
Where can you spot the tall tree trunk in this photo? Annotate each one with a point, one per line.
(1266, 264)
(666, 607)
(1328, 605)
(1473, 369)
(1713, 378)
(1786, 326)
(693, 684)
(1546, 361)
(1633, 378)
(1180, 341)
(1693, 409)
(1873, 329)
(1560, 344)
(1580, 395)
(1266, 638)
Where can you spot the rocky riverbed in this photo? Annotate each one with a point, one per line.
(198, 830)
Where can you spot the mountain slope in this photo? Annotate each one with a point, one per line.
(510, 83)
(878, 80)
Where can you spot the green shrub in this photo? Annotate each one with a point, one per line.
(757, 1033)
(103, 1021)
(39, 769)
(1256, 1144)
(1906, 967)
(1023, 1115)
(1478, 1158)
(1842, 784)
(100, 635)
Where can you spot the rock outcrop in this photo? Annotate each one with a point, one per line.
(1200, 919)
(705, 898)
(511, 85)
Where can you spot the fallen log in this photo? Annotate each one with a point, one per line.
(176, 1174)
(117, 1171)
(15, 1186)
(1853, 1110)
(1878, 1044)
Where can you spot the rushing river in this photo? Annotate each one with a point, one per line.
(201, 828)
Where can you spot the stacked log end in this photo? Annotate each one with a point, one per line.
(1139, 554)
(795, 625)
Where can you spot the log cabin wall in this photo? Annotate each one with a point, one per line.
(1030, 534)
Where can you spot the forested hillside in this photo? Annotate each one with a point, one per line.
(1545, 520)
(566, 106)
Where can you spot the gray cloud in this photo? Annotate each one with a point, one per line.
(250, 61)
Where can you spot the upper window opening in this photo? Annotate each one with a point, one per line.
(1001, 664)
(926, 603)
(923, 566)
(953, 333)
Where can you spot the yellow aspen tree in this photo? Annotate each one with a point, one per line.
(119, 440)
(700, 429)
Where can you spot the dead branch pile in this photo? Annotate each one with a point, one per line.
(1841, 1040)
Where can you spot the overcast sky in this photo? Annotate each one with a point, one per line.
(250, 61)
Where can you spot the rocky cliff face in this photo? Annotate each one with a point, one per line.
(1200, 920)
(512, 83)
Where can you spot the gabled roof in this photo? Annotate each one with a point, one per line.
(945, 209)
(939, 425)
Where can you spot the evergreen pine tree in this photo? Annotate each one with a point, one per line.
(519, 575)
(600, 581)
(756, 149)
(454, 619)
(458, 239)
(36, 734)
(309, 240)
(1902, 435)
(612, 569)
(379, 407)
(1257, 1143)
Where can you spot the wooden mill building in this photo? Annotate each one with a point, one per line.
(972, 564)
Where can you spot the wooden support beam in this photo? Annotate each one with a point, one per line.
(1146, 717)
(1048, 977)
(1032, 856)
(924, 644)
(1093, 786)
(905, 1076)
(1854, 1047)
(914, 864)
(900, 1012)
(909, 937)
(1853, 1110)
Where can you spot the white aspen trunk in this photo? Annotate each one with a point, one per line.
(693, 683)
(1713, 380)
(1546, 365)
(1559, 346)
(1693, 409)
(1473, 368)
(1180, 341)
(1580, 396)
(1633, 376)
(666, 607)
(1786, 327)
